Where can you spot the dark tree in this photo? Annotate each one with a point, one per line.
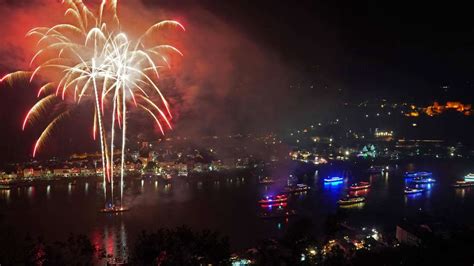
(77, 250)
(180, 246)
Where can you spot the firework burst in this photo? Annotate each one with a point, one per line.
(91, 60)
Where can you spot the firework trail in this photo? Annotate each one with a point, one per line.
(91, 61)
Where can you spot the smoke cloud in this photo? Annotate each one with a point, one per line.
(225, 83)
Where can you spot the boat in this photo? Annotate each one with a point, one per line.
(360, 185)
(333, 179)
(463, 184)
(469, 177)
(377, 169)
(418, 174)
(266, 180)
(423, 180)
(298, 188)
(411, 190)
(273, 199)
(116, 261)
(277, 214)
(114, 209)
(348, 200)
(275, 204)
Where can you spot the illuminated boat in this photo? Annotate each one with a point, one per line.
(273, 199)
(409, 190)
(277, 214)
(462, 184)
(360, 185)
(377, 169)
(333, 179)
(348, 200)
(114, 209)
(266, 180)
(299, 188)
(275, 204)
(116, 261)
(423, 180)
(418, 174)
(469, 177)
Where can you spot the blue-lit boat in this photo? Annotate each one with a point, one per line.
(418, 174)
(412, 190)
(423, 180)
(469, 177)
(333, 179)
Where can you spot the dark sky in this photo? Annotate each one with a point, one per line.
(409, 47)
(261, 64)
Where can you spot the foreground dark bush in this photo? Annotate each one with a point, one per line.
(180, 246)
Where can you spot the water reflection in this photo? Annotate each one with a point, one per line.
(461, 192)
(48, 191)
(86, 188)
(5, 194)
(427, 189)
(360, 192)
(385, 179)
(334, 190)
(69, 189)
(112, 241)
(412, 197)
(356, 206)
(31, 192)
(371, 178)
(333, 186)
(167, 187)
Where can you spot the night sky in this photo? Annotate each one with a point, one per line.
(263, 65)
(391, 48)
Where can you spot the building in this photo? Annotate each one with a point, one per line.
(412, 234)
(62, 171)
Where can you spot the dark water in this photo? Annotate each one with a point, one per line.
(227, 205)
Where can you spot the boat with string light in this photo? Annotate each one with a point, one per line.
(333, 179)
(349, 200)
(360, 185)
(274, 199)
(413, 190)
